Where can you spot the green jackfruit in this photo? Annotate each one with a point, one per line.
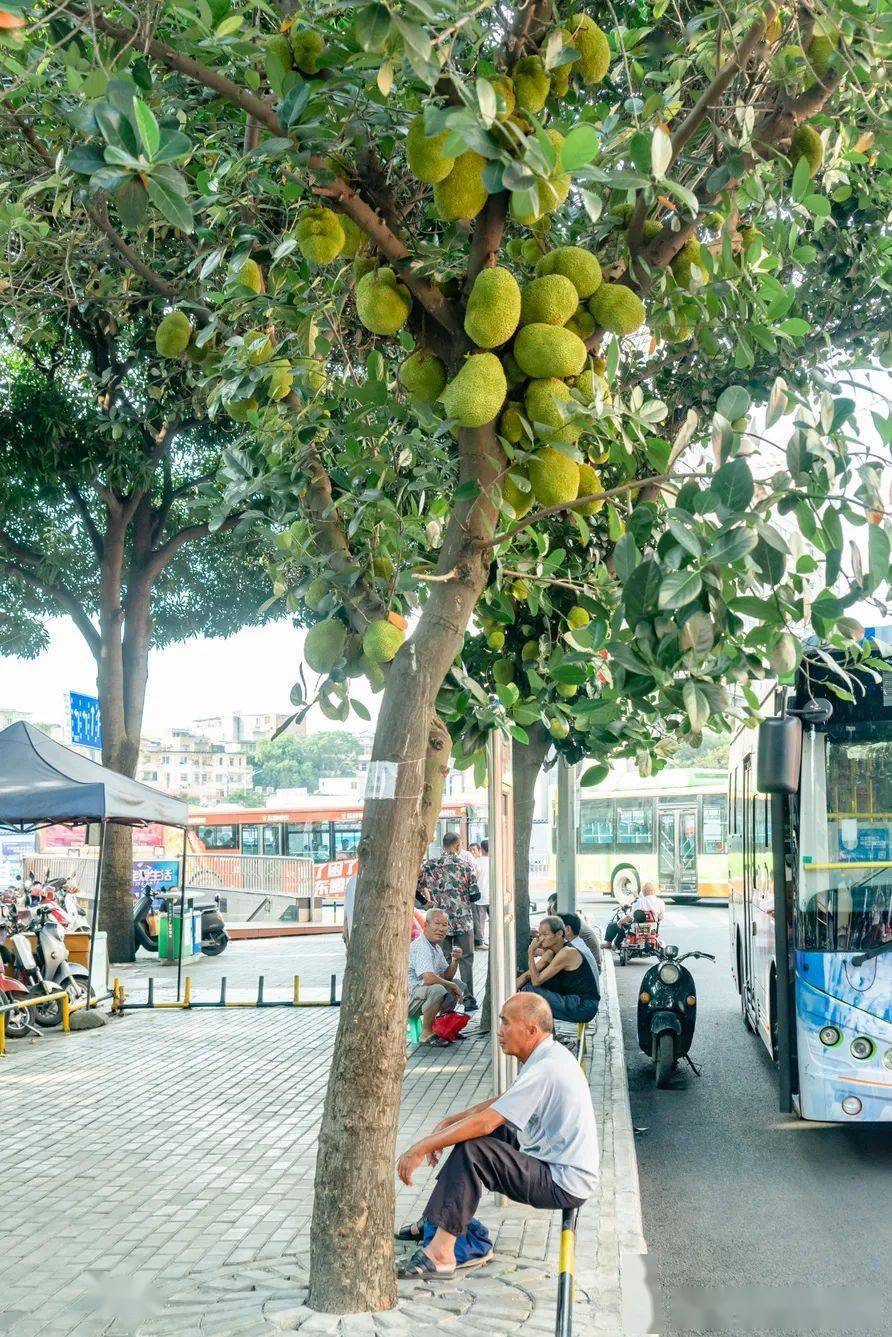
(531, 84)
(750, 235)
(567, 690)
(519, 501)
(806, 143)
(311, 371)
(549, 300)
(594, 49)
(589, 484)
(578, 617)
(306, 50)
(513, 374)
(324, 645)
(382, 566)
(250, 275)
(548, 350)
(362, 265)
(520, 590)
(281, 379)
(554, 478)
(462, 194)
(354, 237)
(821, 52)
(617, 309)
(422, 376)
(381, 641)
(320, 235)
(425, 155)
(493, 309)
(173, 334)
(589, 385)
(511, 425)
(579, 266)
(496, 640)
(382, 305)
(558, 727)
(476, 394)
(560, 75)
(505, 95)
(530, 250)
(316, 593)
(238, 409)
(503, 672)
(257, 347)
(551, 192)
(689, 255)
(582, 323)
(529, 652)
(543, 404)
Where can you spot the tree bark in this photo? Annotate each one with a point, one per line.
(527, 761)
(352, 1262)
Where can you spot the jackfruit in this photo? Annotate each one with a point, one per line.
(617, 309)
(354, 237)
(173, 334)
(530, 250)
(553, 478)
(513, 374)
(278, 45)
(320, 235)
(594, 49)
(493, 309)
(381, 641)
(281, 379)
(582, 323)
(548, 350)
(558, 727)
(316, 593)
(590, 384)
(257, 347)
(382, 566)
(578, 617)
(324, 645)
(560, 75)
(550, 192)
(250, 275)
(549, 300)
(511, 425)
(519, 501)
(503, 672)
(651, 230)
(425, 155)
(543, 400)
(714, 221)
(362, 265)
(579, 266)
(311, 371)
(238, 409)
(589, 484)
(507, 99)
(520, 590)
(689, 255)
(375, 674)
(806, 143)
(749, 235)
(821, 51)
(496, 640)
(529, 651)
(567, 690)
(476, 394)
(531, 84)
(462, 194)
(306, 49)
(422, 376)
(382, 304)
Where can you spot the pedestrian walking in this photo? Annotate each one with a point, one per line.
(449, 882)
(480, 909)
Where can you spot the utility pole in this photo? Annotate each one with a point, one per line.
(502, 961)
(566, 836)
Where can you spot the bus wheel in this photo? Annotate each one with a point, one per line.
(624, 880)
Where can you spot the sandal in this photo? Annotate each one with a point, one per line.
(435, 1042)
(412, 1231)
(418, 1267)
(474, 1262)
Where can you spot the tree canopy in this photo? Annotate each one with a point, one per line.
(288, 761)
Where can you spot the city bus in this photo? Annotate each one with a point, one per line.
(670, 829)
(810, 803)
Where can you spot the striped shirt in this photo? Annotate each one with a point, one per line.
(425, 958)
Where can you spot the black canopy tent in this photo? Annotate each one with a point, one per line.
(43, 783)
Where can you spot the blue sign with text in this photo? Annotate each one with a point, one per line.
(155, 873)
(86, 726)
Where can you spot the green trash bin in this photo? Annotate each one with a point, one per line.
(169, 941)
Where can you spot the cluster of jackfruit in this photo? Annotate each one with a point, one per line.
(333, 650)
(299, 49)
(323, 235)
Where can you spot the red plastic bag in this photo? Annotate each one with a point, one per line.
(450, 1025)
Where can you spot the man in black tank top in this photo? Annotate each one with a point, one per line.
(565, 976)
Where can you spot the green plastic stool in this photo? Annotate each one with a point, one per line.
(413, 1030)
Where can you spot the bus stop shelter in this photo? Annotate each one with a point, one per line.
(43, 783)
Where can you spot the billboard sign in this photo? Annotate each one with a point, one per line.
(83, 714)
(155, 873)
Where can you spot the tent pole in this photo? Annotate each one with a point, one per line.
(182, 912)
(96, 894)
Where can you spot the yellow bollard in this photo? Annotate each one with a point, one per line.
(2, 1034)
(187, 992)
(296, 998)
(66, 1012)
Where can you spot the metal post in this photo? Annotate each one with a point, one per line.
(102, 827)
(182, 913)
(785, 1037)
(566, 836)
(502, 967)
(563, 1326)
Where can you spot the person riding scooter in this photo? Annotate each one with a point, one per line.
(647, 907)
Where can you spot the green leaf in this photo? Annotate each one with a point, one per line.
(679, 588)
(467, 491)
(171, 204)
(229, 25)
(595, 775)
(580, 146)
(733, 545)
(573, 675)
(131, 202)
(734, 403)
(625, 556)
(680, 523)
(486, 100)
(878, 553)
(660, 151)
(795, 327)
(801, 180)
(733, 485)
(784, 654)
(147, 126)
(641, 591)
(371, 27)
(696, 704)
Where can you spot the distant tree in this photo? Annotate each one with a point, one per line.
(712, 752)
(287, 762)
(246, 798)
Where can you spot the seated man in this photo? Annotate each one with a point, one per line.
(432, 989)
(573, 989)
(537, 1143)
(646, 905)
(576, 927)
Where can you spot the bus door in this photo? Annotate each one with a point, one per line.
(746, 808)
(677, 851)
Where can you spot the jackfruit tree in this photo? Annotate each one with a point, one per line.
(545, 213)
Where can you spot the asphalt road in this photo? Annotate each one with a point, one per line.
(755, 1222)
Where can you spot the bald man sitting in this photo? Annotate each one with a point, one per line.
(536, 1144)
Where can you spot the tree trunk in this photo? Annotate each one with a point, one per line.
(352, 1262)
(527, 761)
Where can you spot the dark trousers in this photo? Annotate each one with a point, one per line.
(497, 1163)
(566, 1006)
(466, 965)
(479, 912)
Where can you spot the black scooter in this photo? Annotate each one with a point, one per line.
(667, 1012)
(151, 903)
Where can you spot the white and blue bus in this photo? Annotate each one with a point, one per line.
(810, 831)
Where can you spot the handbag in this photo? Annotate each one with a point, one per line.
(449, 1026)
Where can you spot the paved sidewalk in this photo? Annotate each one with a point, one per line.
(175, 1151)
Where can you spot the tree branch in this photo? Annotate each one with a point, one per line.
(160, 557)
(63, 597)
(488, 232)
(84, 512)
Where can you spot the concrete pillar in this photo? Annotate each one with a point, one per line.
(501, 897)
(566, 836)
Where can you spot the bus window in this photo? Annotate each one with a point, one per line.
(714, 831)
(218, 837)
(272, 839)
(634, 826)
(346, 839)
(595, 824)
(308, 840)
(251, 838)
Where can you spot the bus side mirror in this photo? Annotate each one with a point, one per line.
(778, 755)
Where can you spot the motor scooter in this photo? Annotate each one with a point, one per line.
(47, 969)
(667, 1012)
(17, 1022)
(150, 903)
(642, 938)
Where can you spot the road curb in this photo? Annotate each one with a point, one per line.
(630, 1225)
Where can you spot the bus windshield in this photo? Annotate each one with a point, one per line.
(845, 875)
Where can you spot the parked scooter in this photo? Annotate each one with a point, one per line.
(667, 1012)
(17, 1021)
(151, 903)
(47, 969)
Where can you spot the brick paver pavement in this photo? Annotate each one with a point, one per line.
(160, 1182)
